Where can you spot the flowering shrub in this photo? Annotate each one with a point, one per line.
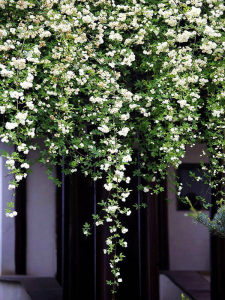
(95, 80)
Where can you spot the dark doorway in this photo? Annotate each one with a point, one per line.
(82, 265)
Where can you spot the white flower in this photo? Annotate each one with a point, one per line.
(31, 132)
(70, 75)
(122, 167)
(30, 105)
(87, 19)
(44, 34)
(103, 128)
(11, 187)
(113, 229)
(19, 64)
(106, 166)
(127, 158)
(128, 180)
(24, 5)
(128, 60)
(10, 163)
(119, 174)
(128, 212)
(115, 36)
(6, 73)
(184, 37)
(19, 177)
(2, 109)
(21, 117)
(124, 131)
(112, 208)
(10, 125)
(26, 85)
(15, 94)
(182, 103)
(207, 47)
(146, 190)
(108, 242)
(217, 113)
(97, 223)
(124, 230)
(194, 12)
(3, 32)
(169, 118)
(120, 279)
(108, 186)
(162, 47)
(10, 215)
(5, 139)
(210, 32)
(25, 166)
(125, 117)
(125, 195)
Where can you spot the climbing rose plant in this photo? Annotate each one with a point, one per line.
(99, 86)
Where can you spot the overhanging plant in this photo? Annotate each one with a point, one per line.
(94, 80)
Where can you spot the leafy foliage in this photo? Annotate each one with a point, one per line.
(88, 84)
(216, 225)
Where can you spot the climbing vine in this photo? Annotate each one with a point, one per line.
(86, 83)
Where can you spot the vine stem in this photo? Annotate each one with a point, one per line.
(113, 297)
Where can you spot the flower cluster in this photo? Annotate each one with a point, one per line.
(108, 83)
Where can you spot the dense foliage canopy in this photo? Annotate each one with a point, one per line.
(89, 82)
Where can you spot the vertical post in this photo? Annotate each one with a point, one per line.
(163, 230)
(102, 261)
(59, 227)
(152, 248)
(139, 246)
(217, 268)
(217, 255)
(139, 234)
(60, 223)
(63, 236)
(95, 243)
(75, 206)
(20, 229)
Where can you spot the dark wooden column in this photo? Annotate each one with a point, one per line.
(217, 247)
(59, 228)
(155, 243)
(21, 229)
(163, 229)
(102, 261)
(75, 251)
(152, 248)
(217, 268)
